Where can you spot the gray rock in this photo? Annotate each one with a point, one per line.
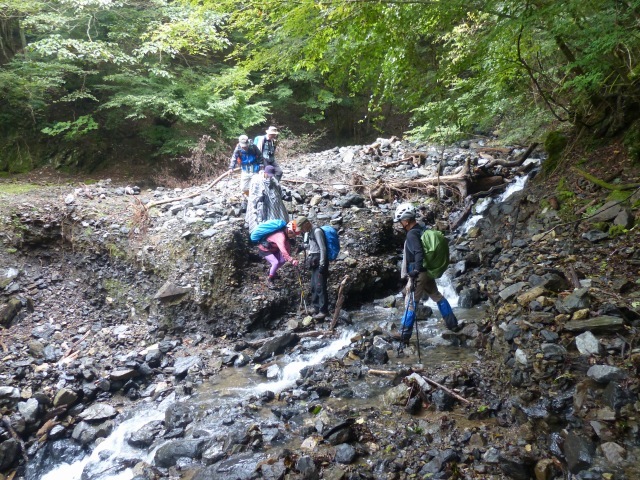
(9, 310)
(307, 468)
(606, 373)
(178, 415)
(516, 467)
(168, 454)
(170, 290)
(9, 393)
(145, 436)
(65, 397)
(625, 219)
(607, 212)
(578, 452)
(122, 374)
(553, 351)
(274, 471)
(578, 300)
(615, 397)
(603, 323)
(587, 344)
(614, 453)
(29, 410)
(345, 454)
(492, 455)
(9, 450)
(209, 232)
(512, 290)
(98, 411)
(275, 346)
(181, 365)
(84, 433)
(595, 236)
(468, 297)
(554, 282)
(438, 463)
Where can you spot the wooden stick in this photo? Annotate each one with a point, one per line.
(385, 373)
(262, 341)
(74, 345)
(445, 389)
(339, 303)
(191, 195)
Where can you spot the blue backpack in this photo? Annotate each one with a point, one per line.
(332, 240)
(266, 228)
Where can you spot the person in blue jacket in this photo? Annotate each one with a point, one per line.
(420, 282)
(246, 156)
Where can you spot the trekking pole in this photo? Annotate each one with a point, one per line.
(413, 301)
(302, 299)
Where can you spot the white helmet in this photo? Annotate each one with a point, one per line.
(404, 211)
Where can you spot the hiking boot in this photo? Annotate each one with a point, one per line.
(320, 316)
(270, 284)
(400, 336)
(459, 326)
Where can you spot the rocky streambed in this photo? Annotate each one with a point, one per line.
(113, 313)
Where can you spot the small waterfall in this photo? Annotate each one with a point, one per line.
(291, 371)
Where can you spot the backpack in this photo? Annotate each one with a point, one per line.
(266, 228)
(436, 252)
(332, 241)
(258, 141)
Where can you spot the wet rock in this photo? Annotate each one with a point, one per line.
(307, 468)
(442, 401)
(397, 395)
(145, 436)
(181, 365)
(376, 355)
(84, 433)
(97, 412)
(516, 466)
(587, 344)
(122, 374)
(275, 346)
(553, 351)
(345, 454)
(468, 297)
(437, 463)
(606, 373)
(352, 200)
(578, 452)
(9, 450)
(492, 455)
(615, 397)
(604, 323)
(11, 394)
(625, 219)
(178, 415)
(168, 454)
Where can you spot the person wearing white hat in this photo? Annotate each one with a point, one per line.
(247, 156)
(267, 145)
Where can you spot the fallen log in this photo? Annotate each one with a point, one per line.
(413, 157)
(603, 184)
(459, 181)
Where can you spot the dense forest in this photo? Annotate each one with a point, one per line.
(88, 82)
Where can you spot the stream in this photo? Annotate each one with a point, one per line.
(229, 404)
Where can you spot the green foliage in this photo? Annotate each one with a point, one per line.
(554, 145)
(74, 129)
(617, 230)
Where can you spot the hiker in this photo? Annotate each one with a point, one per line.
(265, 199)
(247, 156)
(420, 282)
(276, 249)
(267, 145)
(318, 263)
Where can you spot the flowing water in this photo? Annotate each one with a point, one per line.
(221, 402)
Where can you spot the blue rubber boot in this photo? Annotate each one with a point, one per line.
(407, 321)
(448, 316)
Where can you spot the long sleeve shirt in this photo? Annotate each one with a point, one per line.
(317, 245)
(282, 242)
(413, 253)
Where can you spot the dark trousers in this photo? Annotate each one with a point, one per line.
(319, 294)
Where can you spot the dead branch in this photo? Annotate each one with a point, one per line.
(416, 158)
(460, 182)
(445, 389)
(513, 163)
(339, 302)
(191, 195)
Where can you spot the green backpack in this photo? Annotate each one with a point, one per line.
(436, 252)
